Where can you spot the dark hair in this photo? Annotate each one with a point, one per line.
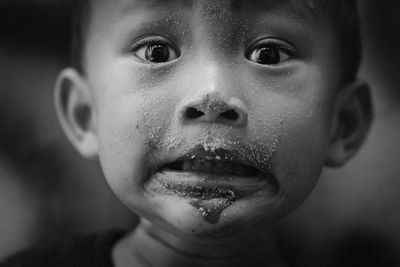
(347, 26)
(344, 14)
(79, 27)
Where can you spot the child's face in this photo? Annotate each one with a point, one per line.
(185, 94)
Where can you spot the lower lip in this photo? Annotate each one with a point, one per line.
(210, 186)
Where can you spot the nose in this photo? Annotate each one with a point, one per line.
(213, 107)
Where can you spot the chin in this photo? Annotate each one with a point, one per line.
(216, 219)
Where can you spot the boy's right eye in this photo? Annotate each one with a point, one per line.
(154, 51)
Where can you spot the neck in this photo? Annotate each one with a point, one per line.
(151, 246)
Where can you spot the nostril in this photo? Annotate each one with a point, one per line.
(193, 113)
(231, 115)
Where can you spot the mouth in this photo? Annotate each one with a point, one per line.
(219, 162)
(213, 180)
(212, 166)
(214, 174)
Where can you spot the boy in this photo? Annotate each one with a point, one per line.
(211, 120)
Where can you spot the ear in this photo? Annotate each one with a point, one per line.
(74, 105)
(351, 123)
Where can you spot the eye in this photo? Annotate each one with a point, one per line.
(155, 51)
(270, 52)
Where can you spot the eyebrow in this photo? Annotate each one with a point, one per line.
(303, 9)
(129, 7)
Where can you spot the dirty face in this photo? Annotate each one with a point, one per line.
(213, 117)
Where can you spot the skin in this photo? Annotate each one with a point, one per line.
(131, 114)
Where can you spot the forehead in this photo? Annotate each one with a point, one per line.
(297, 8)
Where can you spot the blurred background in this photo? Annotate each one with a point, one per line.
(48, 191)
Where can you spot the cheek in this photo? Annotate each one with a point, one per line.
(129, 126)
(302, 151)
(121, 142)
(296, 112)
(132, 108)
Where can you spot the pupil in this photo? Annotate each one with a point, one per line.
(268, 55)
(157, 53)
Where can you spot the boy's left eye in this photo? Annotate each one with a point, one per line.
(155, 51)
(269, 53)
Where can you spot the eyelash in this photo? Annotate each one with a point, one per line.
(280, 45)
(147, 41)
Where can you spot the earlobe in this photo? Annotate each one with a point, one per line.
(352, 121)
(75, 111)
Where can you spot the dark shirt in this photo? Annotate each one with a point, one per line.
(95, 251)
(86, 251)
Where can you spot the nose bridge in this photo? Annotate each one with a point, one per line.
(216, 79)
(212, 79)
(215, 98)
